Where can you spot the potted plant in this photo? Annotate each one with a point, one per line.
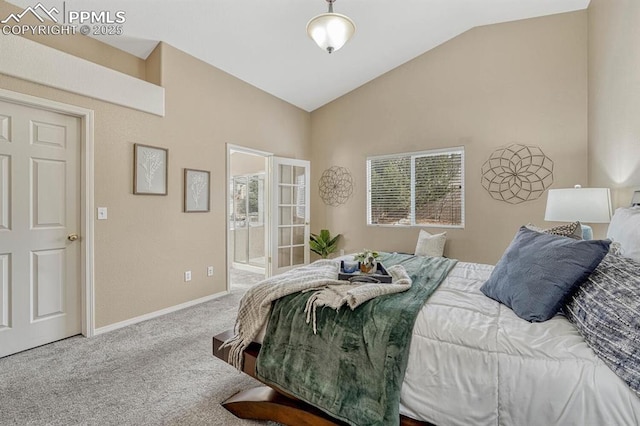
(323, 244)
(368, 260)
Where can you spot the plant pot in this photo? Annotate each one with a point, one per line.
(366, 269)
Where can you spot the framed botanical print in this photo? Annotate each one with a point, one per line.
(196, 190)
(150, 169)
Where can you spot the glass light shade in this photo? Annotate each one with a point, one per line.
(331, 31)
(589, 205)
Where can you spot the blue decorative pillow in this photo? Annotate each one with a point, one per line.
(538, 271)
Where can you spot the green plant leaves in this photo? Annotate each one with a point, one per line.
(323, 244)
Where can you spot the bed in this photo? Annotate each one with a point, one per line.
(472, 360)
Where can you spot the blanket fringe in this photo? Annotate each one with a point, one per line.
(236, 347)
(310, 310)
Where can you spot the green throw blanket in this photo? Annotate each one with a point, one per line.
(353, 368)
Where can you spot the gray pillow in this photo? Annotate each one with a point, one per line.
(605, 311)
(538, 271)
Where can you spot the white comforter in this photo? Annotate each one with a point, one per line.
(472, 361)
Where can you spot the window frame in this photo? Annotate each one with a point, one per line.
(413, 155)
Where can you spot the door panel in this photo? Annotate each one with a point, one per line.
(5, 261)
(48, 189)
(290, 227)
(5, 186)
(5, 128)
(39, 209)
(48, 285)
(48, 134)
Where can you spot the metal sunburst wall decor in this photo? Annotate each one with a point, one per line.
(336, 186)
(517, 173)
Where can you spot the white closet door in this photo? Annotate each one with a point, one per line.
(39, 226)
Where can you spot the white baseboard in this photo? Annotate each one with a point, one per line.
(156, 314)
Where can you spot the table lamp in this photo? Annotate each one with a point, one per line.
(587, 205)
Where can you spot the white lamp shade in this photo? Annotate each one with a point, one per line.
(331, 31)
(588, 205)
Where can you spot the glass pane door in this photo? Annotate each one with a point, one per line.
(290, 233)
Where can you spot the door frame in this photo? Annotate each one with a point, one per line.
(267, 221)
(86, 116)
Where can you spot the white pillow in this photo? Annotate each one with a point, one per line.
(430, 245)
(624, 229)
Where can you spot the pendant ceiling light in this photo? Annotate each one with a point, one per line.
(331, 30)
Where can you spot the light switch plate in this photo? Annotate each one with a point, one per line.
(102, 213)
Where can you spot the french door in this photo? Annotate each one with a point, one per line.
(289, 214)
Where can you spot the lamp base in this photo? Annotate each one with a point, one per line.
(587, 232)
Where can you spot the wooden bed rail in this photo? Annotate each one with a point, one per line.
(265, 403)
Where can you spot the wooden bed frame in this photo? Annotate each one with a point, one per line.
(266, 403)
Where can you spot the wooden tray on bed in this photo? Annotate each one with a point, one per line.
(266, 403)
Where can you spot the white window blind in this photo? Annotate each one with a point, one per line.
(416, 189)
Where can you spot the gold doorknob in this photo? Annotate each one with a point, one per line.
(72, 237)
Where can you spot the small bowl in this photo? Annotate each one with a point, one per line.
(350, 267)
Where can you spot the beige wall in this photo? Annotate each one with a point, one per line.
(143, 249)
(614, 97)
(245, 164)
(520, 82)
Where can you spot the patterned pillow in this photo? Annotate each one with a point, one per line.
(571, 230)
(605, 311)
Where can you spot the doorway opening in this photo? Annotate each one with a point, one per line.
(247, 222)
(247, 217)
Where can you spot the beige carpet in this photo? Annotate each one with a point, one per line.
(241, 280)
(159, 372)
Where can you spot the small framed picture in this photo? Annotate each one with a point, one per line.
(196, 191)
(150, 167)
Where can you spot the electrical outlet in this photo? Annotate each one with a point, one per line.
(210, 271)
(187, 276)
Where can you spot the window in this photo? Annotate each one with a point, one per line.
(416, 189)
(247, 201)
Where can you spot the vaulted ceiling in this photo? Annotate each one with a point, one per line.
(265, 44)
